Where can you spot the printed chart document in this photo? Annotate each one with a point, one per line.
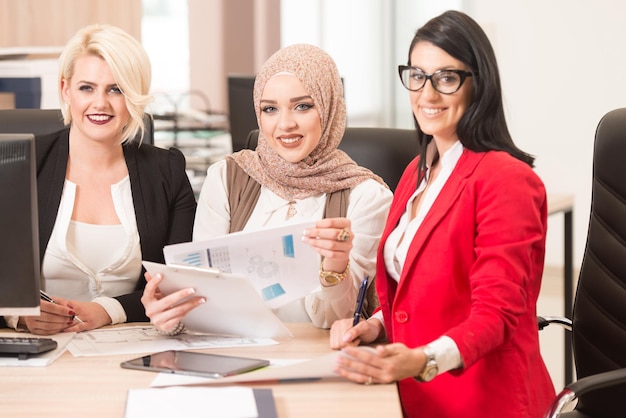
(232, 307)
(200, 402)
(280, 266)
(145, 339)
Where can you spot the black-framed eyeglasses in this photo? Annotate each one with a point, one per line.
(444, 81)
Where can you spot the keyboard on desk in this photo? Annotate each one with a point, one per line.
(25, 346)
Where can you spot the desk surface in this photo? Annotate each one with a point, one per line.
(97, 386)
(560, 203)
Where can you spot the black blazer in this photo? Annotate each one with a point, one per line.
(164, 202)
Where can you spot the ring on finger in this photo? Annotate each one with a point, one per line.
(369, 381)
(343, 235)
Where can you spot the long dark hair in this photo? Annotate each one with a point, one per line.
(483, 126)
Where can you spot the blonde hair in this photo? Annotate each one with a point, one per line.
(129, 64)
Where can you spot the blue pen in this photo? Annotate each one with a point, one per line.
(360, 300)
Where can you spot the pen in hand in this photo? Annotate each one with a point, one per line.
(360, 300)
(44, 296)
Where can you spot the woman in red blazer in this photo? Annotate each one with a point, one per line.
(461, 258)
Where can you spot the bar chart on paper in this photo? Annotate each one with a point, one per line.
(279, 264)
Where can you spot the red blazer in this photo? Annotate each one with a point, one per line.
(473, 273)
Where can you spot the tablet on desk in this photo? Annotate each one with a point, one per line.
(195, 364)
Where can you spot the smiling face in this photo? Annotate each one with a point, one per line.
(289, 119)
(97, 105)
(438, 114)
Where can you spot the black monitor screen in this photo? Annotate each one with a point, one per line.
(19, 246)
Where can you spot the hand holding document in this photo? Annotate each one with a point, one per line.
(279, 265)
(232, 307)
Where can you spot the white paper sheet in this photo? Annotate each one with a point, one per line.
(172, 379)
(281, 267)
(39, 360)
(322, 367)
(145, 339)
(191, 402)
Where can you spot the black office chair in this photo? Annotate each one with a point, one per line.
(599, 313)
(385, 151)
(43, 121)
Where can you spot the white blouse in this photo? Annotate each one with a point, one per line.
(94, 262)
(368, 207)
(397, 245)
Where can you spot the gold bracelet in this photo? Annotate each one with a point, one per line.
(332, 278)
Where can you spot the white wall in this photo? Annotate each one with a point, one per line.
(356, 34)
(367, 39)
(562, 63)
(563, 66)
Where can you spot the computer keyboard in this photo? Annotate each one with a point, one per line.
(25, 346)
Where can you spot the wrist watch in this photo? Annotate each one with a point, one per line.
(332, 278)
(430, 369)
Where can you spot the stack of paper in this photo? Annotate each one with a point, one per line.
(200, 402)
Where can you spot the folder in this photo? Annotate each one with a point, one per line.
(232, 307)
(200, 402)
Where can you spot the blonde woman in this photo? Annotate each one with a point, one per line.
(106, 201)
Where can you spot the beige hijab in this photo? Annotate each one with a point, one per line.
(326, 169)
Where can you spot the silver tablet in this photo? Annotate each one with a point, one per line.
(195, 363)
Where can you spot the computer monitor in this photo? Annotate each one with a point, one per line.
(241, 109)
(27, 91)
(19, 231)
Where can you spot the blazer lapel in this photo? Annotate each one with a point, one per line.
(441, 206)
(51, 182)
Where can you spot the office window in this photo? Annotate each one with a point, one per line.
(165, 36)
(367, 39)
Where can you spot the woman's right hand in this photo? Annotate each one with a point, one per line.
(53, 318)
(343, 334)
(165, 312)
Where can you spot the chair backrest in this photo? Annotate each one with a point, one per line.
(43, 121)
(241, 109)
(599, 313)
(385, 151)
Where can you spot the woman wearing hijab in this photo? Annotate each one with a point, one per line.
(296, 174)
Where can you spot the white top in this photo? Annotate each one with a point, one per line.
(368, 207)
(397, 246)
(94, 262)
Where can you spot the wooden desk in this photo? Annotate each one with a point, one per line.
(96, 387)
(561, 203)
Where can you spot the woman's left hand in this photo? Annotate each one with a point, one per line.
(386, 364)
(332, 239)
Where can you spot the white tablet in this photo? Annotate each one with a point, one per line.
(233, 306)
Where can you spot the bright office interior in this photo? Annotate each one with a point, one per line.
(560, 63)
